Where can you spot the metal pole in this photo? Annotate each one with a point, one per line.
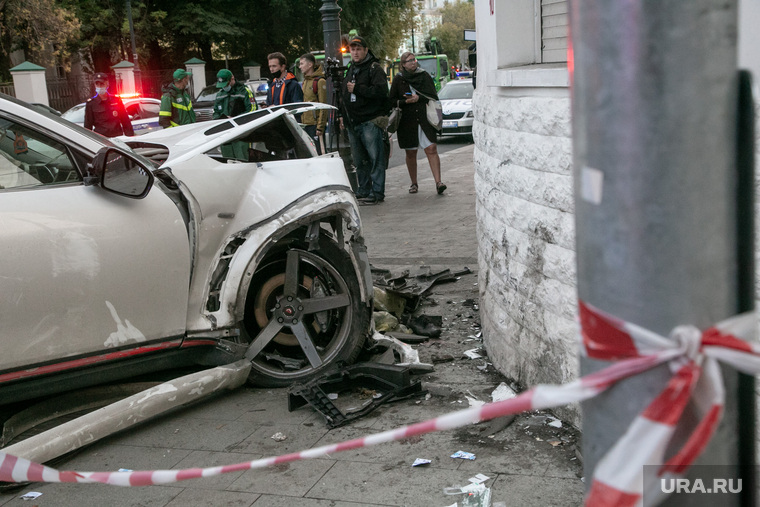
(138, 75)
(654, 94)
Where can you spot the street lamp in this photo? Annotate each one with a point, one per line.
(138, 76)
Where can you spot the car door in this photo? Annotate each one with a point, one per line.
(83, 270)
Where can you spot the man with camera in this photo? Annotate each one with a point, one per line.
(365, 99)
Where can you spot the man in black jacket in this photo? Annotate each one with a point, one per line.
(365, 99)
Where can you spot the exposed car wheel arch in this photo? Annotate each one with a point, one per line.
(304, 309)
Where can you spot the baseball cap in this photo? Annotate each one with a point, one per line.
(101, 77)
(223, 78)
(357, 39)
(181, 74)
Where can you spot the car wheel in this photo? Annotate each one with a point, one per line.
(304, 313)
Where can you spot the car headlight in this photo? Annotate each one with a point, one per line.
(469, 114)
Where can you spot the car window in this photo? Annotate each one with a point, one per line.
(149, 109)
(31, 159)
(278, 139)
(454, 90)
(75, 114)
(133, 110)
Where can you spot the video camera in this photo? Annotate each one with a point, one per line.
(335, 69)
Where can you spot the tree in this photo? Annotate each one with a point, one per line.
(455, 18)
(41, 28)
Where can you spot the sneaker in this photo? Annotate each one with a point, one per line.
(367, 201)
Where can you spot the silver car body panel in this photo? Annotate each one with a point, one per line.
(69, 279)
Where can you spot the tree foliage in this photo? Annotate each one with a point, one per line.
(43, 29)
(456, 17)
(169, 32)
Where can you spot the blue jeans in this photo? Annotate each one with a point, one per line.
(368, 152)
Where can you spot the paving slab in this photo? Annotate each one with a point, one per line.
(536, 491)
(213, 498)
(293, 479)
(386, 484)
(204, 459)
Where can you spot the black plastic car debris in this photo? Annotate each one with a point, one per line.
(387, 382)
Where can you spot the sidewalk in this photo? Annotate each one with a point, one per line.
(529, 463)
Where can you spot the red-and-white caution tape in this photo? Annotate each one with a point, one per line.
(619, 476)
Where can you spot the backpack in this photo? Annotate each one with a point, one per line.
(315, 86)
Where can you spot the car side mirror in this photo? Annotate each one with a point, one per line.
(121, 173)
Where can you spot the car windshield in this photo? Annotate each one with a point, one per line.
(456, 90)
(208, 94)
(75, 114)
(428, 64)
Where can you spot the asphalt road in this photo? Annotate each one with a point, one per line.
(444, 144)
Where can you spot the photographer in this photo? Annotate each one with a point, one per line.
(365, 98)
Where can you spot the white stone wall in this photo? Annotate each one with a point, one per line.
(526, 237)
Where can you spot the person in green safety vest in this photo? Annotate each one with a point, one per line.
(176, 104)
(233, 98)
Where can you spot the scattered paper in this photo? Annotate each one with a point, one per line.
(474, 402)
(472, 354)
(125, 470)
(421, 461)
(555, 443)
(478, 479)
(503, 392)
(332, 396)
(279, 437)
(556, 423)
(463, 455)
(31, 495)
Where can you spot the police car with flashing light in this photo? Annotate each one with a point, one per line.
(143, 112)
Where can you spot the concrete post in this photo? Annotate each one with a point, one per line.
(197, 68)
(654, 94)
(125, 78)
(252, 69)
(29, 83)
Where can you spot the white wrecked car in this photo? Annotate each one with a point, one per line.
(205, 244)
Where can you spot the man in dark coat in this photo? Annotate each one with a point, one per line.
(104, 113)
(365, 100)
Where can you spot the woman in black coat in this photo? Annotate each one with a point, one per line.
(408, 92)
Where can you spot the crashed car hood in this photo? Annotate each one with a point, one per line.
(187, 141)
(456, 105)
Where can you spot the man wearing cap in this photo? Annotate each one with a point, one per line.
(283, 87)
(233, 98)
(104, 113)
(176, 103)
(365, 100)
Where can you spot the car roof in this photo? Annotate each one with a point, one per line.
(54, 124)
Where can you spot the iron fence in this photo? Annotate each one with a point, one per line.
(8, 89)
(65, 93)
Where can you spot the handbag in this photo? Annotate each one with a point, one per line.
(394, 120)
(434, 111)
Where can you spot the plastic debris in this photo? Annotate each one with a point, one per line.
(125, 470)
(472, 354)
(279, 437)
(556, 423)
(463, 455)
(31, 495)
(474, 402)
(421, 462)
(478, 479)
(503, 392)
(332, 396)
(384, 321)
(475, 495)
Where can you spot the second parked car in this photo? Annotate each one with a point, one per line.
(456, 100)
